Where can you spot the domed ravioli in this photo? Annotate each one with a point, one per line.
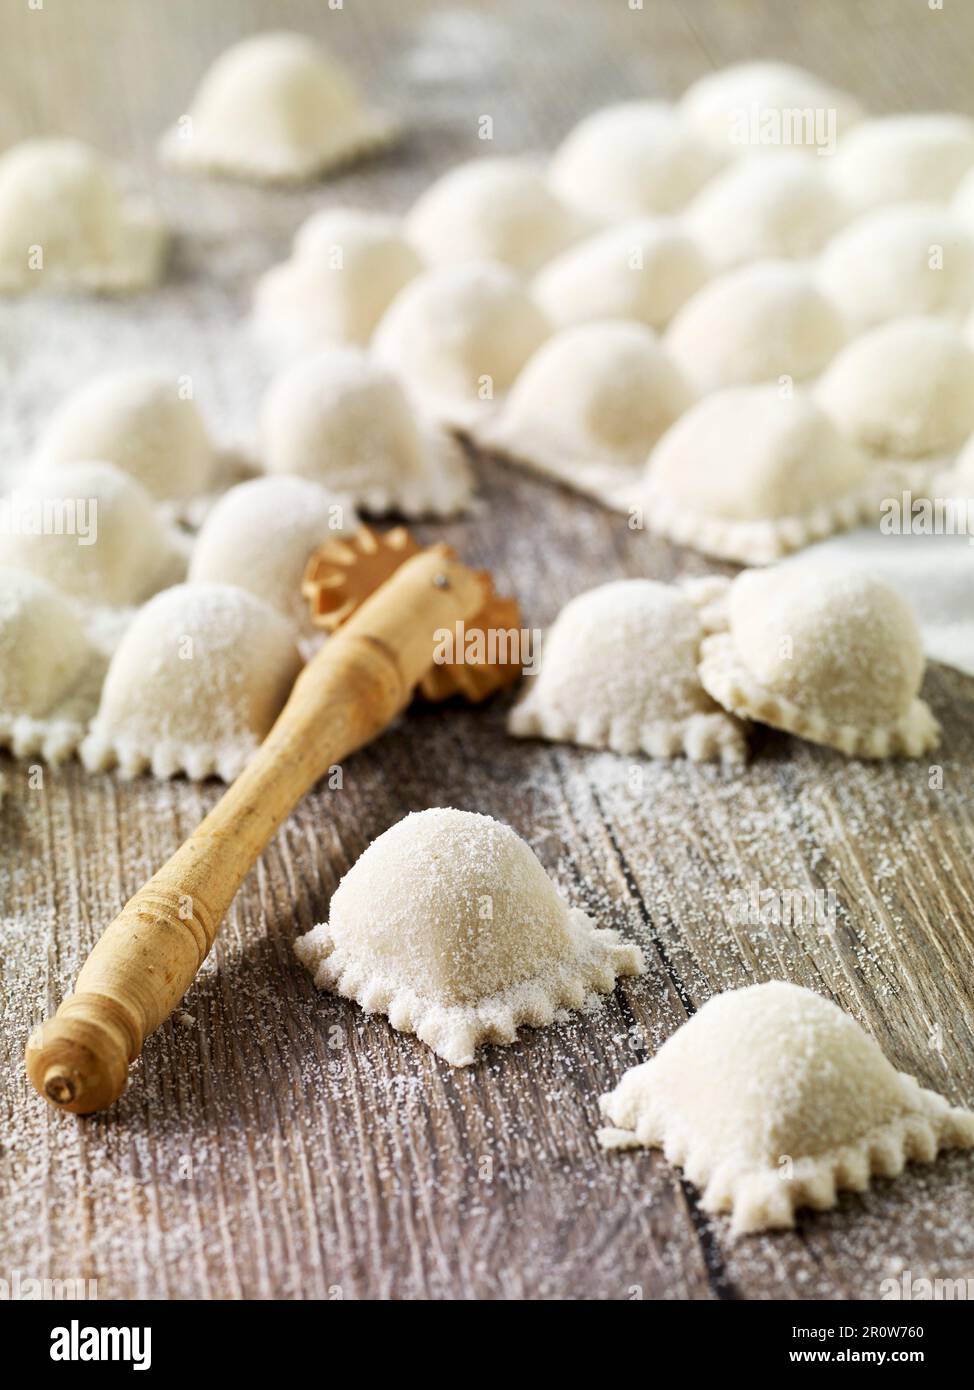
(346, 268)
(66, 224)
(760, 322)
(642, 270)
(194, 686)
(616, 392)
(449, 925)
(631, 159)
(911, 258)
(619, 670)
(918, 157)
(903, 390)
(260, 536)
(140, 420)
(92, 531)
(493, 209)
(768, 207)
(747, 107)
(459, 335)
(823, 651)
(275, 107)
(772, 1099)
(749, 474)
(344, 421)
(50, 669)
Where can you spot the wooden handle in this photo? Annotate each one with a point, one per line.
(148, 957)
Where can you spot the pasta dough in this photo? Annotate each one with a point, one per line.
(772, 1099)
(346, 268)
(719, 105)
(65, 223)
(493, 210)
(275, 107)
(824, 651)
(98, 536)
(449, 925)
(749, 475)
(635, 158)
(891, 159)
(643, 270)
(903, 390)
(344, 421)
(912, 258)
(139, 420)
(260, 536)
(616, 392)
(619, 671)
(194, 686)
(768, 207)
(50, 670)
(759, 323)
(459, 335)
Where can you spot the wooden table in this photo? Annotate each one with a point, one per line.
(276, 1143)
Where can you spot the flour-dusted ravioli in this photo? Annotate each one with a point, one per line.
(50, 668)
(628, 160)
(822, 650)
(750, 474)
(642, 270)
(343, 420)
(346, 267)
(66, 224)
(140, 420)
(748, 107)
(194, 685)
(768, 207)
(275, 108)
(903, 390)
(94, 532)
(459, 335)
(918, 157)
(893, 262)
(260, 536)
(619, 670)
(493, 209)
(772, 1099)
(589, 405)
(760, 322)
(449, 925)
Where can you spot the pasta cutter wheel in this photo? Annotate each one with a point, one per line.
(345, 571)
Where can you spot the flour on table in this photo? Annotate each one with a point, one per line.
(772, 1099)
(449, 925)
(750, 474)
(344, 420)
(619, 670)
(760, 322)
(493, 209)
(589, 405)
(195, 684)
(642, 270)
(824, 651)
(346, 267)
(275, 108)
(459, 335)
(66, 224)
(631, 159)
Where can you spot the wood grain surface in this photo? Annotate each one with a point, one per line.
(276, 1143)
